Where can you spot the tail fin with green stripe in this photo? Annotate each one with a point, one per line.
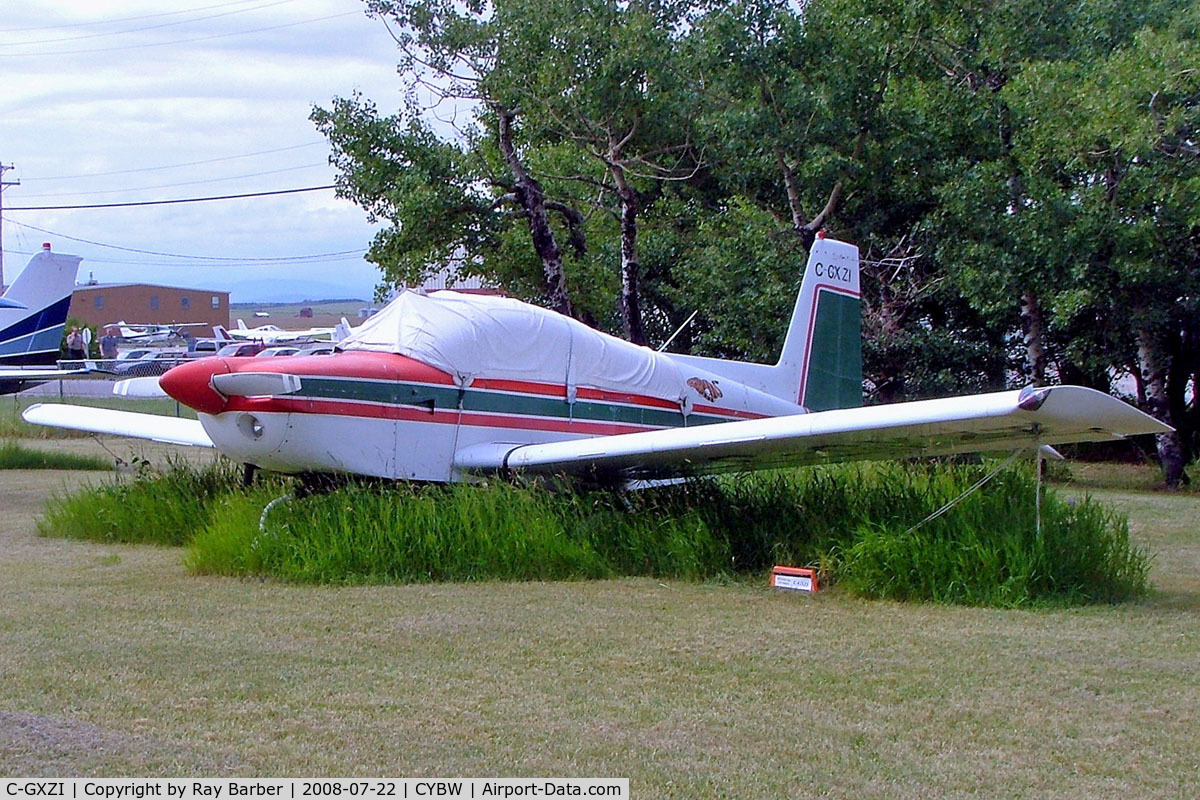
(822, 354)
(821, 364)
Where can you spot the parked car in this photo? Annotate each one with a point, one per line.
(241, 349)
(272, 352)
(323, 349)
(153, 362)
(134, 353)
(204, 347)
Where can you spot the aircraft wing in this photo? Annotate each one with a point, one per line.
(171, 430)
(1000, 421)
(18, 379)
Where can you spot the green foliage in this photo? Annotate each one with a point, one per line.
(401, 173)
(1081, 555)
(14, 455)
(1022, 179)
(409, 533)
(165, 508)
(860, 525)
(968, 137)
(93, 341)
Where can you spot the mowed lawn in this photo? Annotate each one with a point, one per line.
(116, 662)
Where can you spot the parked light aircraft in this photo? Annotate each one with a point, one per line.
(447, 386)
(152, 333)
(273, 334)
(32, 319)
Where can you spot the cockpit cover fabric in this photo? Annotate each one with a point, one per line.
(472, 336)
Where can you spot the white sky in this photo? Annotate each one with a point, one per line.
(127, 86)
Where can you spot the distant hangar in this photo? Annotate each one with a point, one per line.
(99, 304)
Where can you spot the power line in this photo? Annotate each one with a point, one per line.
(181, 183)
(144, 28)
(179, 41)
(173, 166)
(172, 202)
(310, 258)
(3, 183)
(189, 257)
(122, 19)
(355, 256)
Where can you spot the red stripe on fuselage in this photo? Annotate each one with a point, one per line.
(417, 414)
(352, 364)
(374, 366)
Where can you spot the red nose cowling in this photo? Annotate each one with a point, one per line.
(191, 384)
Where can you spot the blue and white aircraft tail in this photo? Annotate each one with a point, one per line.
(32, 334)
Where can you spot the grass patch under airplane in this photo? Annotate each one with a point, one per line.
(853, 522)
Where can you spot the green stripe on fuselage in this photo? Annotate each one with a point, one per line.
(495, 402)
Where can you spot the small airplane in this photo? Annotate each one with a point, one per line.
(450, 386)
(33, 315)
(152, 333)
(272, 334)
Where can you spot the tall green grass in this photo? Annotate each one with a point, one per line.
(165, 508)
(860, 525)
(989, 549)
(14, 455)
(456, 532)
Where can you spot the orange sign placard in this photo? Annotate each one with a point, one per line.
(797, 579)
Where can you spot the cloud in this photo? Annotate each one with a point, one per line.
(157, 87)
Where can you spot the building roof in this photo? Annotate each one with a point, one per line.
(83, 286)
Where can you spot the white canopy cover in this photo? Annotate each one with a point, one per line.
(471, 335)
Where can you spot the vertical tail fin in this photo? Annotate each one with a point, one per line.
(32, 334)
(221, 335)
(822, 354)
(242, 325)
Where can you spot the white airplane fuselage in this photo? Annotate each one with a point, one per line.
(391, 416)
(447, 386)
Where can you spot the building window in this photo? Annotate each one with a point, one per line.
(99, 301)
(216, 301)
(185, 302)
(154, 302)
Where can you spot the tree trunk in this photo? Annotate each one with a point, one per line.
(885, 323)
(792, 188)
(532, 198)
(1188, 418)
(631, 302)
(1152, 362)
(1032, 327)
(1178, 372)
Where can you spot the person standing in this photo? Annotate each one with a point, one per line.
(75, 345)
(108, 345)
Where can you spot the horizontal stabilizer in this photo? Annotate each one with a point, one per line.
(171, 430)
(18, 379)
(139, 387)
(1000, 421)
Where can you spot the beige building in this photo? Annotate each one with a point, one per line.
(99, 304)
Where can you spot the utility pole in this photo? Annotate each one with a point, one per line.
(3, 169)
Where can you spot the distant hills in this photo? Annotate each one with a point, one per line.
(290, 291)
